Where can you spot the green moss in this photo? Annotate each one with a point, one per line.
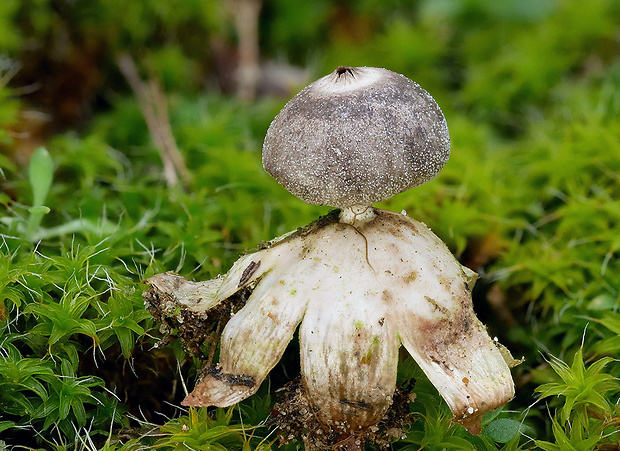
(529, 199)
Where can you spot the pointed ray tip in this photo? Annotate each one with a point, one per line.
(220, 391)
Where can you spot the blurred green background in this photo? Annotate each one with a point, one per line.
(154, 112)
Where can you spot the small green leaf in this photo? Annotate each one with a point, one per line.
(40, 210)
(602, 302)
(4, 425)
(612, 323)
(547, 446)
(64, 401)
(456, 443)
(35, 386)
(125, 338)
(503, 430)
(66, 369)
(40, 174)
(49, 412)
(5, 199)
(608, 346)
(17, 403)
(77, 407)
(133, 326)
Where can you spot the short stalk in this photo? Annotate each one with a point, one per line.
(357, 214)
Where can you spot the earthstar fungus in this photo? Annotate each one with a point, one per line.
(359, 282)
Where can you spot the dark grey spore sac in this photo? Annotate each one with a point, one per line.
(356, 136)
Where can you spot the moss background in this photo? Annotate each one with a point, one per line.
(530, 199)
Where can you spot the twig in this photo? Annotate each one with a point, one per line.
(154, 107)
(246, 14)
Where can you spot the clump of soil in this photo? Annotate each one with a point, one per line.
(199, 333)
(295, 418)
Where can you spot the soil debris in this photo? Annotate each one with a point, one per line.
(296, 418)
(199, 332)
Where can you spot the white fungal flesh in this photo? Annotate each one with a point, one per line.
(198, 297)
(341, 81)
(349, 351)
(359, 289)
